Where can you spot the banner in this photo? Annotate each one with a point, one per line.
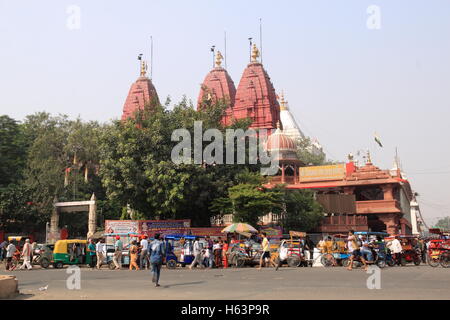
(321, 173)
(273, 232)
(208, 231)
(297, 234)
(121, 226)
(147, 225)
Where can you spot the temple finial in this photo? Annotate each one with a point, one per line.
(282, 101)
(369, 159)
(143, 68)
(219, 59)
(255, 53)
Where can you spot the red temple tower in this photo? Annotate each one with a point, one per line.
(255, 97)
(141, 93)
(218, 85)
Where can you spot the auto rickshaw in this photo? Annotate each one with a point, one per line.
(179, 250)
(71, 252)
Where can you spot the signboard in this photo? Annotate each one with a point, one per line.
(212, 232)
(164, 232)
(146, 225)
(273, 232)
(321, 173)
(121, 226)
(297, 234)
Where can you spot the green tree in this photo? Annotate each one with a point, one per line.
(302, 211)
(305, 154)
(12, 151)
(443, 223)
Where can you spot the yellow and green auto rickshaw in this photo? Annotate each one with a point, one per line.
(70, 252)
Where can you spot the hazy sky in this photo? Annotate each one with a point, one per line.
(343, 80)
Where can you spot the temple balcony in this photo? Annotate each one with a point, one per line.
(343, 224)
(378, 206)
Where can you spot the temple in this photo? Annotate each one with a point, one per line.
(290, 126)
(358, 198)
(217, 86)
(142, 92)
(256, 98)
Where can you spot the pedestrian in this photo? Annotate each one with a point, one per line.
(10, 251)
(26, 253)
(309, 248)
(134, 255)
(210, 254)
(3, 246)
(156, 258)
(91, 248)
(197, 254)
(354, 250)
(143, 262)
(396, 248)
(117, 258)
(217, 249)
(266, 251)
(100, 250)
(225, 248)
(33, 250)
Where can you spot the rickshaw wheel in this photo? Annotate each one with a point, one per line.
(445, 260)
(403, 261)
(432, 262)
(344, 262)
(59, 265)
(45, 263)
(171, 264)
(327, 260)
(240, 262)
(111, 265)
(391, 263)
(417, 261)
(293, 262)
(381, 263)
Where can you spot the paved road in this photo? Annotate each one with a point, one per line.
(408, 282)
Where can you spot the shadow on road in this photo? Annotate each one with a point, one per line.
(183, 284)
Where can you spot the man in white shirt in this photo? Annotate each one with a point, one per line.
(26, 253)
(143, 261)
(100, 250)
(10, 250)
(197, 254)
(396, 248)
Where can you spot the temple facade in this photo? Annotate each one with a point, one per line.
(359, 198)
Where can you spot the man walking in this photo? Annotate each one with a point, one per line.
(99, 249)
(92, 254)
(197, 250)
(354, 250)
(210, 255)
(26, 253)
(3, 246)
(117, 259)
(156, 258)
(10, 250)
(266, 250)
(143, 261)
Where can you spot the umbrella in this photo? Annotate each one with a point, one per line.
(240, 227)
